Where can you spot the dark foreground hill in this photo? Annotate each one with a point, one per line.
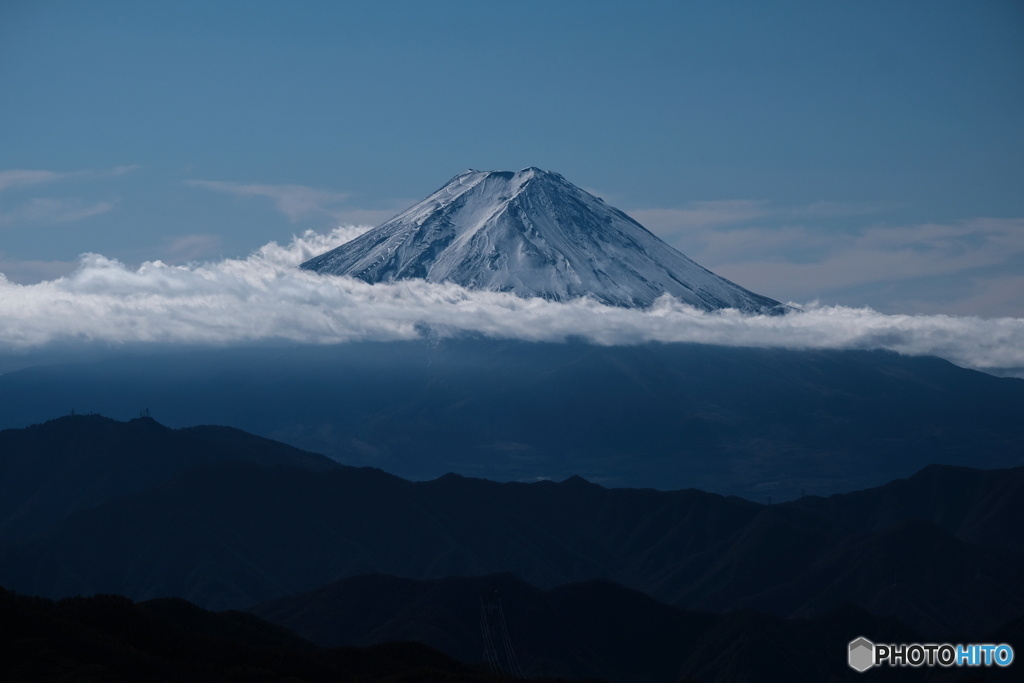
(573, 630)
(107, 638)
(592, 629)
(750, 422)
(50, 470)
(940, 551)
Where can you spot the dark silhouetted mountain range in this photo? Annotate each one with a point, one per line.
(939, 551)
(49, 471)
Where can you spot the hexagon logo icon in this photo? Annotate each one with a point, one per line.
(862, 654)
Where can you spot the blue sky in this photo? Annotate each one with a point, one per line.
(865, 153)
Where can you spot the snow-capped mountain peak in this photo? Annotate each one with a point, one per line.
(532, 233)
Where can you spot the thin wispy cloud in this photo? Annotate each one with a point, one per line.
(794, 261)
(296, 202)
(16, 209)
(665, 222)
(703, 215)
(798, 253)
(191, 247)
(875, 254)
(18, 178)
(266, 296)
(24, 178)
(299, 202)
(54, 210)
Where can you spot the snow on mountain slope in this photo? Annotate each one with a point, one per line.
(534, 234)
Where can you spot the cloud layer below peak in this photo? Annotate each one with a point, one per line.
(267, 297)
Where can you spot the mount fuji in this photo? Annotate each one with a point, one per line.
(534, 234)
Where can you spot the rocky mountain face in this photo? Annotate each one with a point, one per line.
(534, 234)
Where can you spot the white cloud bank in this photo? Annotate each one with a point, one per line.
(267, 296)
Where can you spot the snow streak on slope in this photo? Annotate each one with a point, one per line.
(267, 297)
(533, 234)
